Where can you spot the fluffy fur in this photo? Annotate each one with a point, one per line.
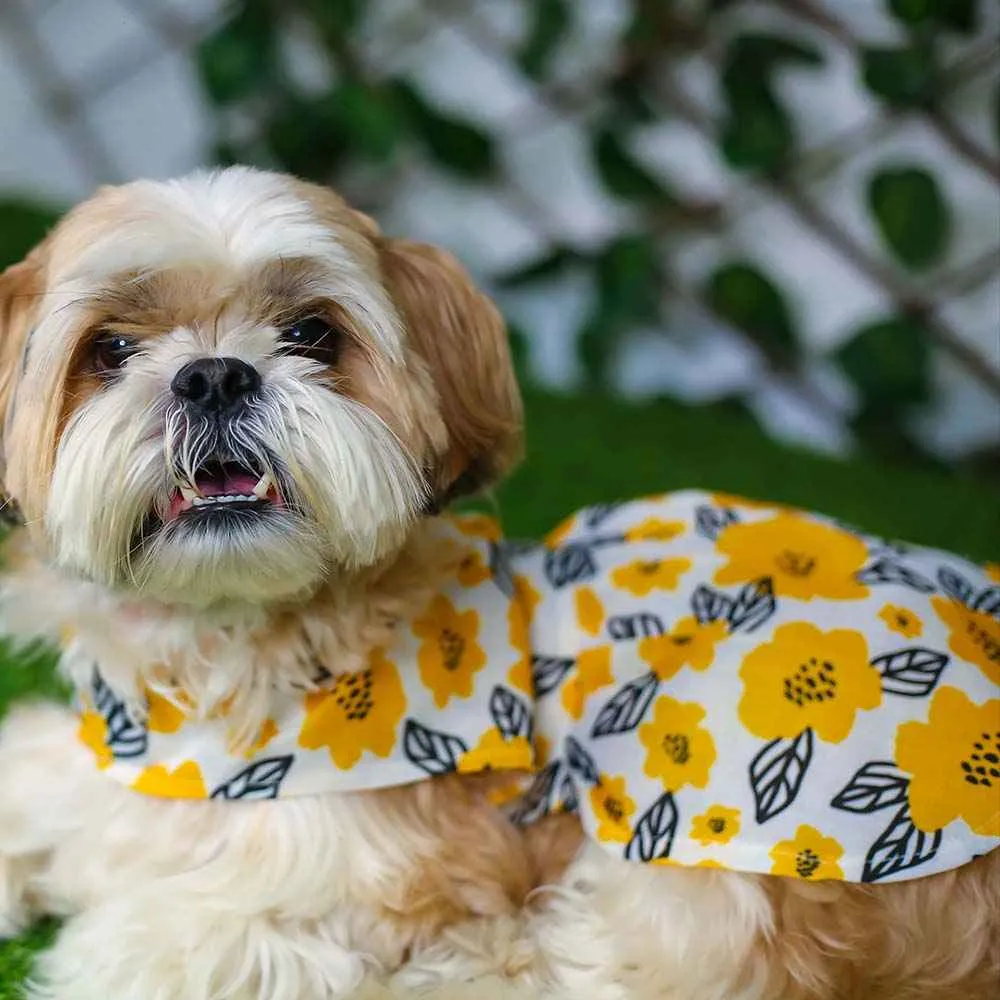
(308, 899)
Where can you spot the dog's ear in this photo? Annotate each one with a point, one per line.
(20, 286)
(460, 335)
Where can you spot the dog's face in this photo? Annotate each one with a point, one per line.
(230, 386)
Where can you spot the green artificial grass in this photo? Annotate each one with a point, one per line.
(587, 450)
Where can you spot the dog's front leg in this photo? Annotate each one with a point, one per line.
(168, 941)
(43, 771)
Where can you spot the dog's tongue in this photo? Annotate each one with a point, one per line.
(217, 483)
(226, 483)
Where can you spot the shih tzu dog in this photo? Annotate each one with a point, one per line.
(322, 728)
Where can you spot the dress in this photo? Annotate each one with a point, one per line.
(709, 681)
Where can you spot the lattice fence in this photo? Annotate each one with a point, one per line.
(790, 203)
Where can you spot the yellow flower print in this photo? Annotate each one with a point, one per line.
(589, 611)
(472, 570)
(809, 856)
(678, 751)
(184, 782)
(450, 654)
(671, 863)
(642, 577)
(266, 733)
(494, 753)
(360, 712)
(512, 787)
(803, 557)
(543, 749)
(560, 533)
(901, 620)
(688, 643)
(975, 635)
(477, 526)
(716, 825)
(655, 529)
(165, 715)
(954, 760)
(613, 807)
(520, 615)
(591, 673)
(732, 500)
(93, 733)
(804, 678)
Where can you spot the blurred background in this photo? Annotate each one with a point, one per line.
(744, 244)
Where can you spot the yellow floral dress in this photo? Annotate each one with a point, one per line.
(443, 697)
(707, 681)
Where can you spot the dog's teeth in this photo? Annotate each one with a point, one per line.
(261, 489)
(189, 494)
(214, 501)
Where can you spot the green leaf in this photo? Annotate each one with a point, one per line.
(241, 56)
(549, 266)
(306, 138)
(622, 175)
(629, 280)
(595, 344)
(745, 297)
(889, 363)
(460, 147)
(23, 224)
(996, 113)
(369, 117)
(912, 215)
(759, 54)
(757, 133)
(334, 17)
(959, 15)
(912, 11)
(550, 21)
(519, 351)
(757, 137)
(900, 77)
(632, 98)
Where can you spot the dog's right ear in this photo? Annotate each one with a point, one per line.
(461, 337)
(20, 288)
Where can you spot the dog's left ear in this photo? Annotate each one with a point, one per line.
(461, 337)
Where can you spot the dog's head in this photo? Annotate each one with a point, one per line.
(231, 386)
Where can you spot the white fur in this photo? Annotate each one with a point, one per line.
(614, 930)
(239, 218)
(188, 899)
(359, 487)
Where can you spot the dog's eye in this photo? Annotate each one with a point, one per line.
(313, 337)
(112, 350)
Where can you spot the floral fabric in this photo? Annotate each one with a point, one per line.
(439, 700)
(709, 681)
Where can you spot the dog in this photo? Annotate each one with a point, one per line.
(307, 739)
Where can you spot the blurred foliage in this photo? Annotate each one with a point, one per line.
(23, 223)
(372, 119)
(368, 122)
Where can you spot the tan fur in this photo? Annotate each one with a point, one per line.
(20, 286)
(928, 939)
(457, 330)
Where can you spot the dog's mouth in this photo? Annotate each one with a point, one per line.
(223, 487)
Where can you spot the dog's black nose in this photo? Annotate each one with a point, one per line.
(215, 385)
